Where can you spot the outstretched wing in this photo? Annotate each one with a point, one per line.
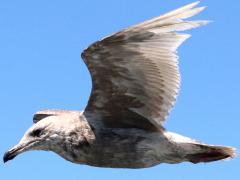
(135, 71)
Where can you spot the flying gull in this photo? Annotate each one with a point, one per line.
(136, 80)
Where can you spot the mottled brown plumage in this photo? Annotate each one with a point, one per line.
(135, 83)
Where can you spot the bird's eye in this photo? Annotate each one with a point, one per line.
(36, 132)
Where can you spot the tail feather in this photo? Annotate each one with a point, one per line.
(209, 153)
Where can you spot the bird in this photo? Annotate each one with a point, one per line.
(135, 82)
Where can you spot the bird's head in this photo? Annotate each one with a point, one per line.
(49, 132)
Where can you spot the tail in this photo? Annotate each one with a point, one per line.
(209, 153)
(196, 152)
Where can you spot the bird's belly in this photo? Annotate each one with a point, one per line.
(129, 157)
(134, 151)
(124, 149)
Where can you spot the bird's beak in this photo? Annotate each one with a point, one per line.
(16, 150)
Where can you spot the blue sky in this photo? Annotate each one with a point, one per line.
(40, 68)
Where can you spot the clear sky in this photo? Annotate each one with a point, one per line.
(40, 68)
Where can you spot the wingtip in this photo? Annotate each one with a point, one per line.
(192, 12)
(204, 22)
(195, 3)
(199, 23)
(192, 5)
(200, 9)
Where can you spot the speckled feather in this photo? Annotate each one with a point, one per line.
(135, 83)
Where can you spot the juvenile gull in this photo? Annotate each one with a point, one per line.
(135, 83)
